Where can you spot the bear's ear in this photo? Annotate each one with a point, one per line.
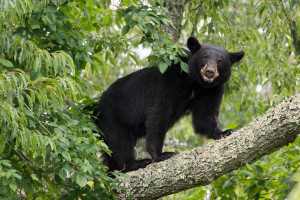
(193, 44)
(236, 56)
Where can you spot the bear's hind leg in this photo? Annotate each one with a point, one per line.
(156, 132)
(123, 153)
(136, 164)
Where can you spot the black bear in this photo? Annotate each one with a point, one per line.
(147, 103)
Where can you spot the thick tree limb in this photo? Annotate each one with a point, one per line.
(201, 166)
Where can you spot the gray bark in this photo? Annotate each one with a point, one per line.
(175, 13)
(201, 166)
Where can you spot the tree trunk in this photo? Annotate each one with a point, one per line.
(293, 30)
(201, 166)
(175, 13)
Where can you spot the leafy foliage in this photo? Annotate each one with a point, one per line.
(49, 146)
(51, 55)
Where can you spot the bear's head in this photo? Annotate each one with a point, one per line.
(210, 65)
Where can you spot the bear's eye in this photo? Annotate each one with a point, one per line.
(219, 62)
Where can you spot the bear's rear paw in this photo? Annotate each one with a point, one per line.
(136, 164)
(143, 163)
(165, 156)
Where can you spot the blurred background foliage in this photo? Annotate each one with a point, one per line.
(58, 56)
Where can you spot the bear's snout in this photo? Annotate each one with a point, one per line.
(209, 72)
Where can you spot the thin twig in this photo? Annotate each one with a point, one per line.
(133, 36)
(37, 119)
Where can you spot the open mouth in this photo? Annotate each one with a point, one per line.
(207, 80)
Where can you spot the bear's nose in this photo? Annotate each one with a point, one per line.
(209, 73)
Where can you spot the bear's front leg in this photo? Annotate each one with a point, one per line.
(209, 125)
(205, 110)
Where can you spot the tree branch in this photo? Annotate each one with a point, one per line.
(201, 166)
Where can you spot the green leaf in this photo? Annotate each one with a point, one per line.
(258, 169)
(43, 152)
(81, 180)
(86, 13)
(125, 29)
(52, 144)
(153, 58)
(63, 173)
(162, 66)
(168, 61)
(232, 126)
(107, 18)
(251, 190)
(198, 195)
(34, 141)
(66, 155)
(34, 25)
(61, 1)
(13, 186)
(184, 67)
(52, 27)
(5, 162)
(2, 142)
(6, 63)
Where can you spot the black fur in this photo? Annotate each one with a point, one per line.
(147, 103)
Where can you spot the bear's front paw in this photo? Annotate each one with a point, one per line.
(165, 156)
(224, 134)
